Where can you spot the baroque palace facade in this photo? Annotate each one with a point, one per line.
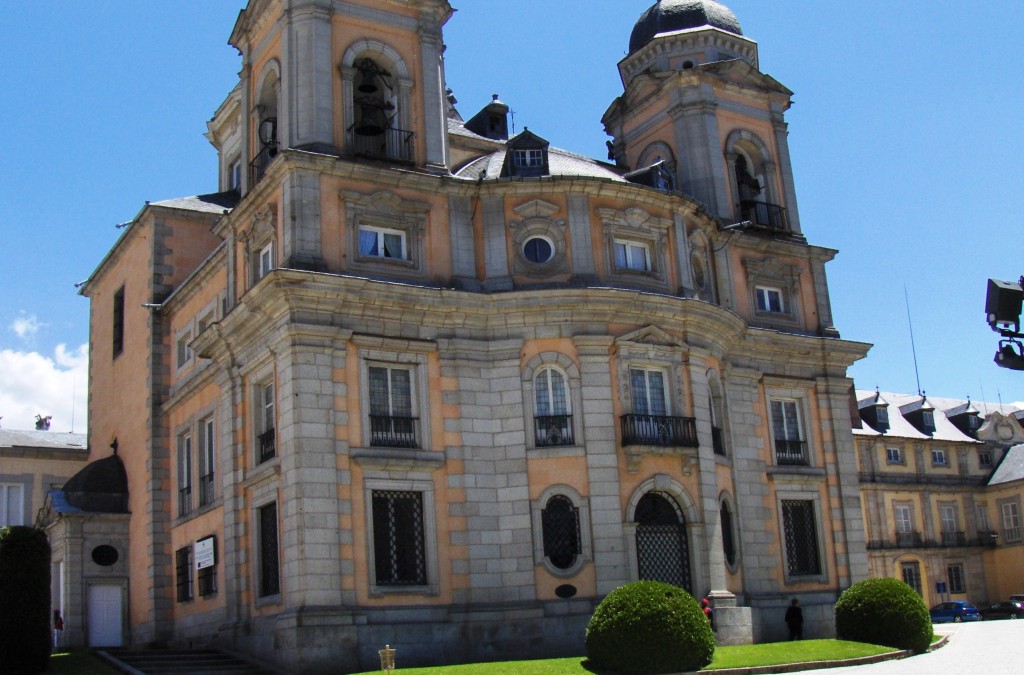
(408, 380)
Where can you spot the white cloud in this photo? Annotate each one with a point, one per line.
(33, 384)
(26, 326)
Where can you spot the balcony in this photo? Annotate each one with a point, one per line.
(387, 144)
(954, 539)
(717, 442)
(393, 432)
(206, 489)
(552, 430)
(791, 453)
(258, 166)
(987, 537)
(661, 430)
(765, 215)
(909, 540)
(267, 445)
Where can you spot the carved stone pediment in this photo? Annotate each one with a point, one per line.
(384, 202)
(651, 335)
(1000, 429)
(634, 218)
(769, 268)
(536, 208)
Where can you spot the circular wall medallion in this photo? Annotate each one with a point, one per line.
(104, 555)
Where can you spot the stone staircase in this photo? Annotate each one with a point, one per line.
(177, 661)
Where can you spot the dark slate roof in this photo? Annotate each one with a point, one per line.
(11, 438)
(100, 487)
(668, 16)
(216, 202)
(560, 163)
(1011, 468)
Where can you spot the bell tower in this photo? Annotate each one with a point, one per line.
(695, 100)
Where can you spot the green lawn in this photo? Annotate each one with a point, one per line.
(78, 663)
(725, 657)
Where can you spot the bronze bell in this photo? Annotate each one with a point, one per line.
(372, 121)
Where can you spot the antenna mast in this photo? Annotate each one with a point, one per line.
(913, 348)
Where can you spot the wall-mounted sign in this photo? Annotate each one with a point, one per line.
(206, 552)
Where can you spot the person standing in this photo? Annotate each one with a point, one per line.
(795, 620)
(58, 629)
(705, 606)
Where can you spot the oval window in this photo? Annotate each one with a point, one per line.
(538, 250)
(104, 555)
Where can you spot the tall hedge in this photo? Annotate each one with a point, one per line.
(884, 612)
(24, 600)
(649, 627)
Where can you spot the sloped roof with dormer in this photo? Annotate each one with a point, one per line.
(560, 163)
(945, 408)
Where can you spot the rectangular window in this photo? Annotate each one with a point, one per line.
(790, 448)
(266, 440)
(528, 158)
(938, 457)
(184, 474)
(983, 523)
(912, 575)
(882, 416)
(647, 388)
(183, 573)
(392, 420)
(265, 261)
(893, 456)
(377, 242)
(205, 320)
(955, 576)
(12, 504)
(235, 175)
(269, 582)
(184, 351)
(1011, 522)
(928, 421)
(904, 519)
(631, 255)
(985, 459)
(118, 322)
(947, 515)
(769, 299)
(206, 565)
(802, 558)
(207, 459)
(399, 551)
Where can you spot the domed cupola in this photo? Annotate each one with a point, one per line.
(668, 16)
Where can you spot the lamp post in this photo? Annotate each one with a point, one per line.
(1002, 309)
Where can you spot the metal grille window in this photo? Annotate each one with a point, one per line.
(183, 573)
(392, 423)
(207, 576)
(662, 548)
(184, 474)
(955, 576)
(728, 541)
(560, 520)
(801, 532)
(269, 576)
(912, 575)
(399, 549)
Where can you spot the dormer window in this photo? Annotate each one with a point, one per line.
(928, 421)
(528, 158)
(882, 416)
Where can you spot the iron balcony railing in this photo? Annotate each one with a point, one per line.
(909, 540)
(791, 453)
(954, 539)
(765, 215)
(266, 442)
(552, 430)
(206, 489)
(676, 432)
(717, 442)
(393, 432)
(258, 166)
(184, 501)
(987, 537)
(394, 144)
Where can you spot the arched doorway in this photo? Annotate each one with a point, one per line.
(662, 547)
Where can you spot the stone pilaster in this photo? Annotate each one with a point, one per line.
(496, 272)
(301, 224)
(463, 243)
(309, 76)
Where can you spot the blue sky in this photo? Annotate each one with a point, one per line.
(906, 135)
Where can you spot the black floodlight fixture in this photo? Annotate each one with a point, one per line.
(1010, 355)
(1003, 305)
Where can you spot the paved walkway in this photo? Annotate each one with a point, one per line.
(984, 647)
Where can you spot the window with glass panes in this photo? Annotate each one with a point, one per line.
(769, 299)
(392, 421)
(183, 573)
(12, 504)
(184, 474)
(269, 580)
(377, 242)
(632, 256)
(1011, 521)
(647, 389)
(912, 575)
(207, 446)
(955, 576)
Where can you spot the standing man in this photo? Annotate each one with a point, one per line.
(795, 620)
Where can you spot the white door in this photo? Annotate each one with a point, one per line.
(105, 617)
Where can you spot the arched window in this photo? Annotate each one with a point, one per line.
(265, 120)
(552, 418)
(728, 538)
(377, 98)
(560, 522)
(662, 545)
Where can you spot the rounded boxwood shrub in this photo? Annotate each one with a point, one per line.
(649, 627)
(884, 612)
(24, 600)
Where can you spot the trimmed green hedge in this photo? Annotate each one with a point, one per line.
(649, 627)
(884, 612)
(24, 600)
